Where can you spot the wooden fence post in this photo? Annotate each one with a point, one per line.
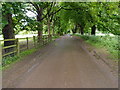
(27, 43)
(51, 37)
(43, 39)
(0, 53)
(39, 40)
(18, 47)
(34, 41)
(0, 65)
(47, 38)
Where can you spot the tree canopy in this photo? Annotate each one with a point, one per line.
(60, 17)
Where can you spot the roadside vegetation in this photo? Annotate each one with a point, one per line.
(110, 43)
(8, 61)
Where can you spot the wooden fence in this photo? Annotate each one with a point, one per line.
(25, 44)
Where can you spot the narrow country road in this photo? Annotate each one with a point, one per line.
(66, 65)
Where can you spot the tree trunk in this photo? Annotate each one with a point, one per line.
(40, 26)
(39, 35)
(82, 31)
(93, 30)
(8, 33)
(49, 32)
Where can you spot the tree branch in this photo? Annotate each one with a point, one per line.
(35, 5)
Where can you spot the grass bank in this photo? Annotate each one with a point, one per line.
(11, 60)
(110, 43)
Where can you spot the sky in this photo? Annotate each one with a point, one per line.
(30, 14)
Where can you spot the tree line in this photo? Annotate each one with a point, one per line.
(59, 18)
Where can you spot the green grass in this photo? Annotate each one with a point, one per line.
(11, 60)
(54, 37)
(110, 43)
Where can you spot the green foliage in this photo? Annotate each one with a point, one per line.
(18, 12)
(108, 18)
(0, 18)
(9, 60)
(105, 15)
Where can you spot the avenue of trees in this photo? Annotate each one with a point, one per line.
(59, 18)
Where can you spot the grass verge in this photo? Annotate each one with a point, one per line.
(110, 43)
(11, 60)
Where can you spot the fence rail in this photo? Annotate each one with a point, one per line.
(20, 44)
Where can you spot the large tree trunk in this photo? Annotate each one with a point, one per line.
(40, 26)
(93, 30)
(8, 33)
(39, 35)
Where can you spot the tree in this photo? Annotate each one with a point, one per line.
(9, 10)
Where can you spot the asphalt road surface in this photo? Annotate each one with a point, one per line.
(66, 65)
